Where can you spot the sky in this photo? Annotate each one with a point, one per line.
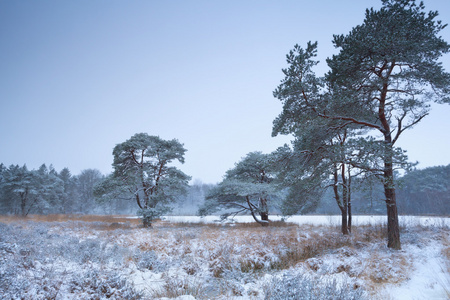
(79, 77)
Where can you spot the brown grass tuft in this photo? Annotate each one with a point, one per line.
(179, 286)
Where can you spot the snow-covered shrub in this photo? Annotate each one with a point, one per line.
(90, 251)
(7, 260)
(44, 287)
(217, 267)
(310, 287)
(222, 259)
(392, 268)
(11, 281)
(4, 229)
(148, 260)
(34, 264)
(251, 264)
(101, 284)
(181, 236)
(176, 286)
(191, 267)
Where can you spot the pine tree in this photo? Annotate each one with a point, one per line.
(248, 187)
(382, 80)
(142, 167)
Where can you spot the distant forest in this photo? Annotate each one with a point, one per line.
(47, 191)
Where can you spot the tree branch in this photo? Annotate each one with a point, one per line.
(400, 130)
(351, 120)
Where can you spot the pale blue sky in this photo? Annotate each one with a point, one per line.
(79, 77)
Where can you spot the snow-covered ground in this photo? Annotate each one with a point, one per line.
(180, 258)
(429, 278)
(324, 220)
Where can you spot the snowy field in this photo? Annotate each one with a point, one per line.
(187, 258)
(323, 220)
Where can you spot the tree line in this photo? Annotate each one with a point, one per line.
(47, 191)
(419, 192)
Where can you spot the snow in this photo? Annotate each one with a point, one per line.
(429, 279)
(77, 260)
(322, 220)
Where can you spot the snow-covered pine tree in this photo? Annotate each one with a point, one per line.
(142, 168)
(247, 188)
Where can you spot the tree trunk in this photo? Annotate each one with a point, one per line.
(22, 206)
(264, 212)
(349, 212)
(349, 201)
(344, 227)
(146, 223)
(391, 206)
(264, 218)
(349, 220)
(343, 209)
(138, 201)
(389, 187)
(23, 202)
(146, 218)
(262, 222)
(264, 215)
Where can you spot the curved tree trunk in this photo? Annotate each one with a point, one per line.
(264, 216)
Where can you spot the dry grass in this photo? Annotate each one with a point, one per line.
(112, 221)
(257, 248)
(297, 246)
(370, 233)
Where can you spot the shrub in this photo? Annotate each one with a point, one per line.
(304, 287)
(94, 284)
(177, 286)
(148, 260)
